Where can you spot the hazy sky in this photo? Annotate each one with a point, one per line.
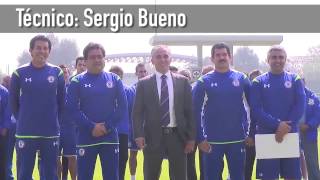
(12, 45)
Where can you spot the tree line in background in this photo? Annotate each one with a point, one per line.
(246, 60)
(311, 69)
(65, 51)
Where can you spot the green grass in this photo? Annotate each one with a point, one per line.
(139, 175)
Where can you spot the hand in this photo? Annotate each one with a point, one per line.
(205, 146)
(3, 131)
(140, 141)
(249, 141)
(283, 129)
(189, 147)
(99, 130)
(304, 127)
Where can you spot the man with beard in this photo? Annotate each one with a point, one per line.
(220, 131)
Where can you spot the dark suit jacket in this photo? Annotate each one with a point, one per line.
(146, 110)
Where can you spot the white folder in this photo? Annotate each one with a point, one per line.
(268, 148)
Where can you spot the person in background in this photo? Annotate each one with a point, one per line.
(140, 73)
(191, 168)
(205, 70)
(67, 138)
(249, 142)
(80, 67)
(4, 126)
(186, 73)
(309, 133)
(11, 131)
(173, 69)
(123, 128)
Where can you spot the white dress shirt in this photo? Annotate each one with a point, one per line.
(171, 96)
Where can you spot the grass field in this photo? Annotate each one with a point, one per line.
(139, 175)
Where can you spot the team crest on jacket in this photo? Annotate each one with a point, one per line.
(236, 83)
(50, 79)
(81, 152)
(287, 84)
(21, 144)
(110, 84)
(310, 102)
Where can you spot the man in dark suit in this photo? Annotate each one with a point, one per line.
(162, 118)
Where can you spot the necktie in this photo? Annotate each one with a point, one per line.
(164, 102)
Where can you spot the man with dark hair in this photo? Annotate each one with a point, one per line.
(42, 85)
(191, 168)
(207, 69)
(186, 73)
(80, 65)
(97, 102)
(173, 69)
(117, 70)
(6, 80)
(204, 71)
(141, 69)
(41, 38)
(219, 131)
(67, 139)
(273, 117)
(94, 47)
(162, 118)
